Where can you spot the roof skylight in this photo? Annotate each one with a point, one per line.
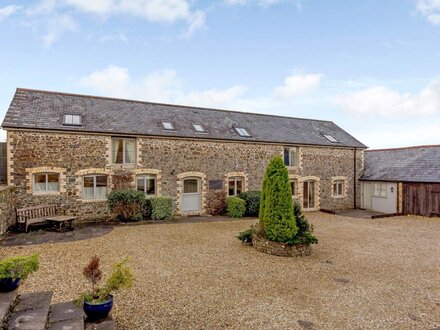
(242, 131)
(168, 126)
(72, 120)
(330, 138)
(198, 128)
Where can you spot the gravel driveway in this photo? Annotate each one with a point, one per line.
(369, 274)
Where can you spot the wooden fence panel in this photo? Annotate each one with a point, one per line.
(421, 199)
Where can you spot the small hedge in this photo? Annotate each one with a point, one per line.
(19, 267)
(127, 205)
(216, 202)
(161, 208)
(235, 207)
(252, 202)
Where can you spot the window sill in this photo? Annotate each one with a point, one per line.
(87, 201)
(293, 167)
(339, 196)
(46, 193)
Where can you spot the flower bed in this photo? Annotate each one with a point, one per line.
(280, 249)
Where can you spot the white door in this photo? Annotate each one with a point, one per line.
(367, 193)
(191, 198)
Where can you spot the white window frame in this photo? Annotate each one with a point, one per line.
(243, 132)
(46, 190)
(291, 151)
(168, 126)
(330, 138)
(236, 179)
(382, 190)
(124, 141)
(94, 186)
(199, 128)
(339, 192)
(68, 120)
(145, 177)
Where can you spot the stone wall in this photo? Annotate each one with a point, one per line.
(280, 249)
(72, 154)
(7, 204)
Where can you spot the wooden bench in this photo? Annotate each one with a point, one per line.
(35, 214)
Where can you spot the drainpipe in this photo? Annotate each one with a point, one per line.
(354, 180)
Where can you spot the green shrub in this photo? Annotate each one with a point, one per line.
(252, 202)
(161, 208)
(276, 213)
(304, 235)
(216, 202)
(246, 236)
(126, 204)
(235, 207)
(146, 209)
(19, 267)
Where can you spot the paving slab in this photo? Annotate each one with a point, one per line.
(7, 300)
(28, 320)
(71, 324)
(34, 300)
(65, 311)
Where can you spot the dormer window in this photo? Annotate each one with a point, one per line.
(242, 131)
(198, 128)
(72, 120)
(168, 126)
(330, 138)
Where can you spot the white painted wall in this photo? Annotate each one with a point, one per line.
(381, 204)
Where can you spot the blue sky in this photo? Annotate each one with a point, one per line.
(373, 67)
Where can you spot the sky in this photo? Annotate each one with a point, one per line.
(372, 66)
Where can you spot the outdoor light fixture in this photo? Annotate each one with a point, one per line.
(392, 189)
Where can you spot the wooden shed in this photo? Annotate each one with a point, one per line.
(402, 180)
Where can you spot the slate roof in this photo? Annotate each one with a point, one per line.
(34, 109)
(413, 164)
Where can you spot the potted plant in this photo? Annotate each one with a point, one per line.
(98, 302)
(16, 269)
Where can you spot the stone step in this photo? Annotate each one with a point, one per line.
(7, 301)
(31, 311)
(66, 315)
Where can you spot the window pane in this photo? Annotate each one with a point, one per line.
(118, 149)
(231, 187)
(239, 184)
(88, 182)
(101, 181)
(141, 184)
(88, 193)
(190, 186)
(53, 182)
(151, 186)
(335, 188)
(76, 120)
(286, 157)
(39, 182)
(130, 151)
(293, 157)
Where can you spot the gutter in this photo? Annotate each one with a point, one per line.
(354, 180)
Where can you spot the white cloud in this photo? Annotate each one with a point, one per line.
(8, 11)
(56, 26)
(158, 86)
(430, 9)
(119, 36)
(385, 102)
(265, 3)
(298, 84)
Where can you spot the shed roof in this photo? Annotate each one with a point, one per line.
(35, 109)
(412, 164)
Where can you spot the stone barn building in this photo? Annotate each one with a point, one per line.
(71, 150)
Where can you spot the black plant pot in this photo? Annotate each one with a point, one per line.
(9, 284)
(100, 310)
